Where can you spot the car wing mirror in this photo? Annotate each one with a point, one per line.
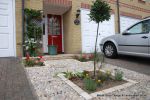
(125, 33)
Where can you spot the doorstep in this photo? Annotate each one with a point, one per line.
(57, 57)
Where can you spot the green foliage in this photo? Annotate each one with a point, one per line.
(98, 82)
(108, 74)
(39, 62)
(68, 74)
(84, 57)
(85, 73)
(71, 75)
(29, 63)
(32, 14)
(33, 31)
(102, 76)
(33, 34)
(90, 84)
(30, 46)
(99, 57)
(100, 11)
(81, 59)
(79, 74)
(118, 75)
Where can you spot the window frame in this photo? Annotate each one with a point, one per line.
(128, 33)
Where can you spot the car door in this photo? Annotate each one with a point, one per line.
(135, 40)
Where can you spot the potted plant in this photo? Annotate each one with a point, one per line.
(52, 49)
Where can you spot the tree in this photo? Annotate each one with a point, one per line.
(100, 11)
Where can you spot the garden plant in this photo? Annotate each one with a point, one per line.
(33, 32)
(100, 11)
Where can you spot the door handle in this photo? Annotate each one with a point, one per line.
(144, 37)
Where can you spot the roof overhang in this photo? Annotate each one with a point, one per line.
(56, 7)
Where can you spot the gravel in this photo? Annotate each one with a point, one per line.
(49, 87)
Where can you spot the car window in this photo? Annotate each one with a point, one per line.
(140, 28)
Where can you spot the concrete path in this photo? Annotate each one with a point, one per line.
(14, 84)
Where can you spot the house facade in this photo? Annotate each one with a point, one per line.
(66, 23)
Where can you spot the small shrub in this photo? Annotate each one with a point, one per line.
(69, 75)
(90, 84)
(79, 74)
(29, 62)
(39, 61)
(85, 73)
(118, 75)
(84, 57)
(108, 74)
(99, 82)
(102, 76)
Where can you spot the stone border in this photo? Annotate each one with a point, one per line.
(87, 96)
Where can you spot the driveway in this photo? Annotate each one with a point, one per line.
(14, 84)
(138, 64)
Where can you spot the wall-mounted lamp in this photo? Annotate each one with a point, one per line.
(77, 21)
(78, 13)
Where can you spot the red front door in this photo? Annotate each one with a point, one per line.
(55, 31)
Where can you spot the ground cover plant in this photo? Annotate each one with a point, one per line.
(103, 80)
(84, 57)
(30, 61)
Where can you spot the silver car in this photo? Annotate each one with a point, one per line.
(134, 41)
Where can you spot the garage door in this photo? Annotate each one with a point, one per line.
(89, 30)
(126, 22)
(7, 47)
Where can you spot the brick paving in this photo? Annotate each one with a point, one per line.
(14, 84)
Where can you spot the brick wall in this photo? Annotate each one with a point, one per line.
(19, 27)
(34, 4)
(72, 33)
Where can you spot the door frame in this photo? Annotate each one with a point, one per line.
(14, 25)
(62, 22)
(46, 34)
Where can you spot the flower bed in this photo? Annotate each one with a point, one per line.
(90, 57)
(84, 57)
(30, 61)
(88, 86)
(102, 82)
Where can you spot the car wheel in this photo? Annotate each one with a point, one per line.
(110, 50)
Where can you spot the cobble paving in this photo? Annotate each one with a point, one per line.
(14, 84)
(50, 87)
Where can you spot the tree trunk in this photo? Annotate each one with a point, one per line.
(95, 52)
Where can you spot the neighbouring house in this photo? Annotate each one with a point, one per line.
(70, 34)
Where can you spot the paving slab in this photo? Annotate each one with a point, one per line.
(14, 84)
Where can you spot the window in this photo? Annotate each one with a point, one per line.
(142, 27)
(54, 26)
